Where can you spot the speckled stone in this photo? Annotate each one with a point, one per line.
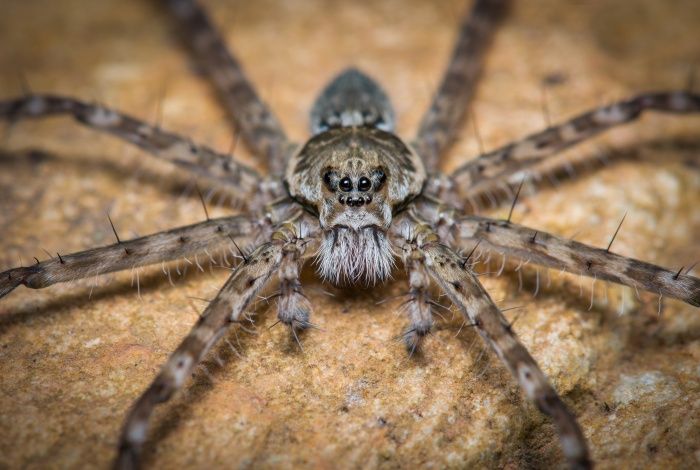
(73, 357)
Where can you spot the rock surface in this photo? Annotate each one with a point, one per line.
(74, 357)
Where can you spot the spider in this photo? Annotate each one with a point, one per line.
(371, 209)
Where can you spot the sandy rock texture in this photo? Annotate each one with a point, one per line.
(73, 357)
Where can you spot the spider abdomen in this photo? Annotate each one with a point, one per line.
(352, 99)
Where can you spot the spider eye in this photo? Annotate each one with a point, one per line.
(364, 184)
(345, 184)
(379, 176)
(328, 180)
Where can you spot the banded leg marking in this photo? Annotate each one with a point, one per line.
(439, 124)
(176, 149)
(419, 304)
(159, 247)
(228, 307)
(549, 250)
(504, 161)
(476, 305)
(256, 122)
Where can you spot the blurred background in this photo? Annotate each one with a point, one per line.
(74, 357)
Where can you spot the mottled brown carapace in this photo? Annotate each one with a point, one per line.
(357, 198)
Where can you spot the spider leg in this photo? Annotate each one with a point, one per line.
(506, 160)
(256, 122)
(159, 247)
(467, 293)
(440, 123)
(549, 250)
(419, 303)
(228, 306)
(171, 147)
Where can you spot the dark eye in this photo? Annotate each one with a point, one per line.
(364, 184)
(345, 184)
(379, 176)
(330, 179)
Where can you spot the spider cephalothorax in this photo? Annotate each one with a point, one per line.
(354, 177)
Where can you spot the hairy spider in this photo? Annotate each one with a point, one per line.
(360, 197)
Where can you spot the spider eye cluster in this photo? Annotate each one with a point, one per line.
(345, 184)
(355, 191)
(364, 184)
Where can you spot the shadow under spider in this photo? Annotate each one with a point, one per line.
(172, 181)
(647, 151)
(641, 327)
(67, 300)
(180, 409)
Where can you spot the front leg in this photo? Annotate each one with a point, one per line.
(467, 293)
(227, 308)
